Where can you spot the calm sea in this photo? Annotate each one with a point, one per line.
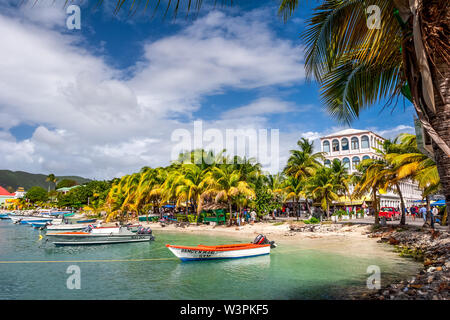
(309, 269)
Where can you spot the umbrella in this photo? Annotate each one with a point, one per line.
(439, 203)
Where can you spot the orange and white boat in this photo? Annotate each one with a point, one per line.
(260, 246)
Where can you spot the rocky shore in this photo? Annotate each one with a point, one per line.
(427, 245)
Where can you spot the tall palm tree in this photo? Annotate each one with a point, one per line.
(322, 186)
(226, 185)
(371, 177)
(51, 178)
(303, 163)
(409, 162)
(295, 189)
(357, 66)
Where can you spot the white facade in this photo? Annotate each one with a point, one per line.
(351, 146)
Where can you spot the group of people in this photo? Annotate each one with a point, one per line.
(246, 216)
(422, 211)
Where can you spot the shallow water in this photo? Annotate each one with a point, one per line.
(306, 269)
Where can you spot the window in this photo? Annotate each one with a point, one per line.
(366, 157)
(335, 145)
(344, 143)
(355, 143)
(365, 142)
(326, 146)
(337, 160)
(355, 162)
(346, 162)
(327, 163)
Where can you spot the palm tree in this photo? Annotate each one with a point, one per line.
(409, 162)
(226, 185)
(51, 178)
(303, 163)
(357, 66)
(295, 189)
(371, 177)
(322, 186)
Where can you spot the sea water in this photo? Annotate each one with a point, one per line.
(301, 269)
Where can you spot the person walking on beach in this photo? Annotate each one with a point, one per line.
(253, 216)
(413, 213)
(434, 214)
(423, 212)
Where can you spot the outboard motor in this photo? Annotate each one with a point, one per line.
(262, 239)
(142, 230)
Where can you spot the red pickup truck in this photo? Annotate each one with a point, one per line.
(390, 213)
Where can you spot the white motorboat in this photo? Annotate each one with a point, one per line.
(103, 235)
(260, 246)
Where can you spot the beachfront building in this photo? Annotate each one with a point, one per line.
(5, 195)
(350, 147)
(66, 190)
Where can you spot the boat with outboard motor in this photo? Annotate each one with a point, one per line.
(260, 246)
(100, 235)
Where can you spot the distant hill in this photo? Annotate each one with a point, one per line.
(27, 180)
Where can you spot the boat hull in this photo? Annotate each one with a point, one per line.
(219, 252)
(82, 238)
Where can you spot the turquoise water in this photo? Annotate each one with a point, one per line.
(310, 269)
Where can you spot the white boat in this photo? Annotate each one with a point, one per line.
(66, 227)
(261, 246)
(91, 237)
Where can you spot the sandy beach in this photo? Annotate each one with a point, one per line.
(276, 232)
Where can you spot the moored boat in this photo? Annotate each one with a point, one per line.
(260, 246)
(4, 216)
(66, 227)
(90, 237)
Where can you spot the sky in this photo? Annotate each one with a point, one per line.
(107, 99)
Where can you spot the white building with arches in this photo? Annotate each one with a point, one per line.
(351, 146)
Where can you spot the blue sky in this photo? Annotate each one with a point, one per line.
(103, 101)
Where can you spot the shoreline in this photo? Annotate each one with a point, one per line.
(430, 247)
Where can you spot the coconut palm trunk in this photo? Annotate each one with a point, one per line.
(402, 205)
(428, 74)
(375, 206)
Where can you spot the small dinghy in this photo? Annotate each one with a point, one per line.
(101, 235)
(260, 246)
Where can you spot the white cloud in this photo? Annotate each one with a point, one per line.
(95, 122)
(263, 106)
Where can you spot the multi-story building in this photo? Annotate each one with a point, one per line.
(351, 146)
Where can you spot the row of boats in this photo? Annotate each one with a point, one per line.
(62, 231)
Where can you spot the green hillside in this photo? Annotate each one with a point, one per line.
(15, 179)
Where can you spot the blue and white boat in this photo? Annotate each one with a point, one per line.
(4, 216)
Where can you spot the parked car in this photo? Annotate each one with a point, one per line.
(390, 213)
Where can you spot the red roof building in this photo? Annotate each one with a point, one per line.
(5, 193)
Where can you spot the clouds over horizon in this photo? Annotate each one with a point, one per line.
(95, 121)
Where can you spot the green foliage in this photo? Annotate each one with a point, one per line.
(340, 213)
(17, 179)
(66, 183)
(95, 191)
(265, 201)
(37, 194)
(313, 220)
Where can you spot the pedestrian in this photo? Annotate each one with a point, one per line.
(423, 212)
(434, 214)
(253, 216)
(413, 213)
